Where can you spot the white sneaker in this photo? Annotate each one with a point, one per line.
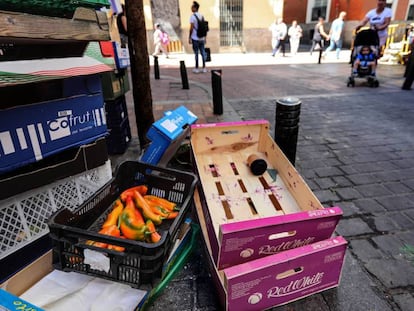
(204, 70)
(195, 70)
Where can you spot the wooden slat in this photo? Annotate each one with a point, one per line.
(216, 170)
(295, 184)
(21, 25)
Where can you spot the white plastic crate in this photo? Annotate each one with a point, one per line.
(23, 218)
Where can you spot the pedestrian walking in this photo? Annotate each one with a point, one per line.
(279, 34)
(295, 33)
(379, 20)
(335, 35)
(197, 42)
(161, 41)
(319, 35)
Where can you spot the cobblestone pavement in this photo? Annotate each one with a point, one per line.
(355, 150)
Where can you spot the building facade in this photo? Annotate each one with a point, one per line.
(243, 25)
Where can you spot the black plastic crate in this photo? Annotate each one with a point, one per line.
(116, 111)
(141, 263)
(119, 137)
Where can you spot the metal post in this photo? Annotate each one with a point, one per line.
(156, 68)
(217, 91)
(287, 125)
(184, 78)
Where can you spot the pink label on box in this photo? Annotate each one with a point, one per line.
(285, 277)
(247, 240)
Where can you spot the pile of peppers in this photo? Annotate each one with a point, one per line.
(134, 216)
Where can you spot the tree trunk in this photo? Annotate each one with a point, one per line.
(140, 68)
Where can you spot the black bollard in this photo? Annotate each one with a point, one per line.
(156, 68)
(184, 78)
(409, 71)
(287, 126)
(217, 92)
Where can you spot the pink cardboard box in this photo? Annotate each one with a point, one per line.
(250, 216)
(276, 279)
(286, 276)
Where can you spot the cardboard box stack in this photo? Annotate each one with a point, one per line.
(52, 127)
(269, 239)
(50, 142)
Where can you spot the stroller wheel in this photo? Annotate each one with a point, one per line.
(371, 82)
(376, 83)
(351, 82)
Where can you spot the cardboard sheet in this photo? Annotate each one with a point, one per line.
(73, 291)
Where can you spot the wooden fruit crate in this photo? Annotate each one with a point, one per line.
(251, 216)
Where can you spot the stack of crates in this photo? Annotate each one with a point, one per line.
(53, 155)
(115, 84)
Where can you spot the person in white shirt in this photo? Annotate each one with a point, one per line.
(379, 20)
(294, 33)
(158, 43)
(279, 33)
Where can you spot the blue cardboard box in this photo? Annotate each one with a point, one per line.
(12, 303)
(166, 134)
(30, 133)
(122, 60)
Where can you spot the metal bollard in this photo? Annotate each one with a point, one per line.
(217, 91)
(156, 68)
(320, 56)
(184, 78)
(287, 125)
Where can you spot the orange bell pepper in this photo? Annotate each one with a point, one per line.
(113, 216)
(143, 205)
(116, 247)
(157, 209)
(155, 236)
(161, 211)
(164, 203)
(132, 223)
(109, 230)
(130, 192)
(172, 215)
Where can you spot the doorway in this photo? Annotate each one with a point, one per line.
(231, 23)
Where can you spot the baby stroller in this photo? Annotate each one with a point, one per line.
(364, 38)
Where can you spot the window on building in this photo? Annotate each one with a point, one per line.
(410, 15)
(319, 9)
(231, 23)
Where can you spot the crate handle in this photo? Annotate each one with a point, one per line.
(289, 273)
(160, 174)
(229, 132)
(282, 235)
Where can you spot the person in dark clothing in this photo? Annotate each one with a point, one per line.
(319, 35)
(197, 43)
(121, 22)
